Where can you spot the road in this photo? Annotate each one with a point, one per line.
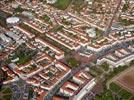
(96, 56)
(113, 17)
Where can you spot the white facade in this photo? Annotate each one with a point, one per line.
(12, 20)
(51, 1)
(85, 90)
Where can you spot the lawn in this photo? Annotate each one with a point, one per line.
(126, 22)
(23, 59)
(78, 5)
(93, 72)
(105, 66)
(98, 32)
(115, 93)
(96, 69)
(5, 93)
(3, 22)
(62, 4)
(24, 54)
(56, 44)
(124, 94)
(106, 95)
(6, 90)
(120, 91)
(30, 93)
(47, 19)
(125, 7)
(29, 29)
(131, 63)
(132, 98)
(114, 87)
(57, 28)
(7, 97)
(73, 62)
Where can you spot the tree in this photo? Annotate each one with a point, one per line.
(72, 62)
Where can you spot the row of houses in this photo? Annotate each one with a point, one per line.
(119, 57)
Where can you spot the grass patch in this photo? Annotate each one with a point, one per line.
(116, 93)
(7, 97)
(30, 93)
(56, 44)
(72, 62)
(114, 87)
(6, 91)
(98, 32)
(24, 54)
(95, 71)
(2, 88)
(116, 71)
(78, 5)
(132, 98)
(124, 94)
(105, 66)
(125, 7)
(62, 4)
(57, 28)
(29, 29)
(131, 63)
(106, 95)
(126, 22)
(47, 19)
